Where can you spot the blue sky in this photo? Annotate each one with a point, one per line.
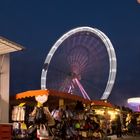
(37, 24)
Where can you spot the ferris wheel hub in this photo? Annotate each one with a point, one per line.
(75, 76)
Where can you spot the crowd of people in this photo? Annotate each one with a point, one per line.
(76, 123)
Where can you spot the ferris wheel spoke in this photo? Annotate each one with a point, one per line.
(65, 85)
(92, 85)
(74, 39)
(53, 68)
(85, 39)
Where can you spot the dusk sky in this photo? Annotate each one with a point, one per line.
(37, 24)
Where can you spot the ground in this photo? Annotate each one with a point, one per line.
(126, 137)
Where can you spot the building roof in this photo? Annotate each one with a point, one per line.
(7, 46)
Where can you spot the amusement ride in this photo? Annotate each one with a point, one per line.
(81, 62)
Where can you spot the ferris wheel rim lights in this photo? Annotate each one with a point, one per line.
(109, 48)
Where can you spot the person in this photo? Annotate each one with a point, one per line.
(113, 127)
(118, 127)
(133, 125)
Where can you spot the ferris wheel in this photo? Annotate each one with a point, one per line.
(81, 62)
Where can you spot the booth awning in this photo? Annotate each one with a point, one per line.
(62, 95)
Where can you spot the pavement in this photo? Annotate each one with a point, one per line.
(127, 137)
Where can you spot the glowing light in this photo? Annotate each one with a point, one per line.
(138, 1)
(112, 114)
(135, 100)
(100, 112)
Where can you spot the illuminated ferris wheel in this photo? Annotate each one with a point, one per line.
(81, 62)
